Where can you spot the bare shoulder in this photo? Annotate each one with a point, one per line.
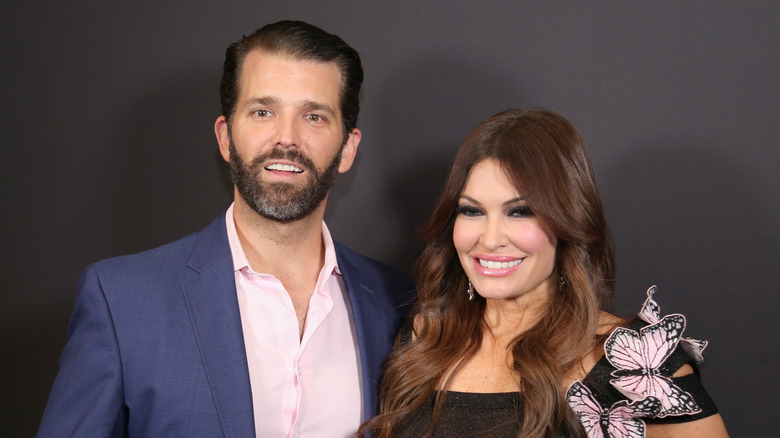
(709, 427)
(609, 322)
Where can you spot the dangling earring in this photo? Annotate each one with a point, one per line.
(561, 283)
(470, 291)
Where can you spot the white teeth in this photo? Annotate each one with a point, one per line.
(284, 168)
(499, 265)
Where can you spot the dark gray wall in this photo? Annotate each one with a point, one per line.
(108, 148)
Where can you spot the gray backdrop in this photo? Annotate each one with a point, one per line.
(107, 134)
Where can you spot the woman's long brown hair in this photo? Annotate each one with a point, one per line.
(545, 158)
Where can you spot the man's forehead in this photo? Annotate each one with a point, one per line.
(260, 69)
(285, 56)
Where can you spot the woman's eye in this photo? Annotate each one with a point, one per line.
(468, 211)
(521, 212)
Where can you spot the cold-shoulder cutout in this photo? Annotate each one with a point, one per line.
(619, 387)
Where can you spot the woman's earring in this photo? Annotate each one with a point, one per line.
(470, 291)
(561, 284)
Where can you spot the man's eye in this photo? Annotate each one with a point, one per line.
(468, 211)
(261, 113)
(521, 212)
(314, 117)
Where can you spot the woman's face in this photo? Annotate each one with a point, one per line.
(504, 250)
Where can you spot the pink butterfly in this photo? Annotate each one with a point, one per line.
(622, 420)
(637, 358)
(651, 313)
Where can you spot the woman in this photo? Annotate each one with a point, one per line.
(509, 335)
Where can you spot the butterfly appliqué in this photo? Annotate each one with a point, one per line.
(638, 357)
(622, 420)
(651, 313)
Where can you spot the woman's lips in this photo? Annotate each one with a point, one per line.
(492, 266)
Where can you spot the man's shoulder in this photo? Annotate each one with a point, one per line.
(200, 244)
(379, 277)
(169, 251)
(349, 258)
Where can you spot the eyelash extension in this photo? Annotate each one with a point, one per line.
(522, 211)
(467, 210)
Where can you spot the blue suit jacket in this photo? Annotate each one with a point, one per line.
(155, 345)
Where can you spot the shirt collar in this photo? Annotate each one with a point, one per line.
(240, 262)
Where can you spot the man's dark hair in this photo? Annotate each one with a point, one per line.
(302, 41)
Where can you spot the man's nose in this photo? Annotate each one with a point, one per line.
(288, 132)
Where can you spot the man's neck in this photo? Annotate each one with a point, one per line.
(293, 252)
(283, 249)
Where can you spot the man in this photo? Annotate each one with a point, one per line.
(260, 323)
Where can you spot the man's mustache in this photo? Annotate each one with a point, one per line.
(292, 155)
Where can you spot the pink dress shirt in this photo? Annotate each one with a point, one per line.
(301, 387)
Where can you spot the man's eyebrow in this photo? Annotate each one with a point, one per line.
(265, 100)
(308, 105)
(311, 105)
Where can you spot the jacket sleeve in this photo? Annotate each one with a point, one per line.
(86, 399)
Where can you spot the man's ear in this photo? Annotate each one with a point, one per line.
(350, 150)
(221, 131)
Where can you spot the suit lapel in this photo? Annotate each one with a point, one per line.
(210, 294)
(372, 324)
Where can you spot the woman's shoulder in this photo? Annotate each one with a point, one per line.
(647, 369)
(608, 322)
(649, 342)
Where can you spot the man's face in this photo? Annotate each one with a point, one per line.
(285, 143)
(282, 201)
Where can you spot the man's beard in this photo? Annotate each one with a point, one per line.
(280, 201)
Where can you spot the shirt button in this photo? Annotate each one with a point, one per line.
(285, 311)
(297, 435)
(300, 371)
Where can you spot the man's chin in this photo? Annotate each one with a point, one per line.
(278, 188)
(280, 205)
(282, 214)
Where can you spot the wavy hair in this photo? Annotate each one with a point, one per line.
(542, 154)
